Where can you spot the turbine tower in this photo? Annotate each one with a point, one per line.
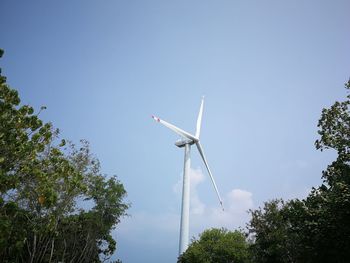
(187, 141)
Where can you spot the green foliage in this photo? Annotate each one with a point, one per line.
(328, 206)
(270, 231)
(334, 127)
(217, 245)
(317, 228)
(41, 182)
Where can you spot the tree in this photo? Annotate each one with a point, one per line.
(269, 228)
(217, 245)
(43, 182)
(315, 229)
(328, 206)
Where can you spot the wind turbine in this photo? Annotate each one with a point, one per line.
(187, 141)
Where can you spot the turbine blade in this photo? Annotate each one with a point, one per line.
(179, 131)
(200, 149)
(199, 120)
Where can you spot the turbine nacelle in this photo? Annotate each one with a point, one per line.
(182, 142)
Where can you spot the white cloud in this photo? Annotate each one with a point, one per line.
(166, 225)
(196, 205)
(236, 202)
(239, 200)
(196, 177)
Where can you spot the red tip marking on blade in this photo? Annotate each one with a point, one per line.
(156, 118)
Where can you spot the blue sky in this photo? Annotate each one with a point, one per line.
(266, 68)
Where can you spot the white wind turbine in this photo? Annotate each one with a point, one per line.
(186, 141)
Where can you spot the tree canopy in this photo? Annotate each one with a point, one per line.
(44, 182)
(315, 229)
(217, 245)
